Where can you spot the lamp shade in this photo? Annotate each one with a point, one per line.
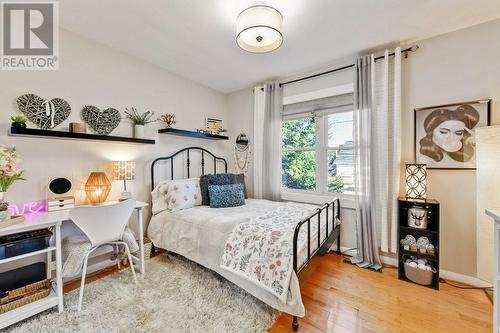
(259, 29)
(124, 170)
(97, 187)
(416, 176)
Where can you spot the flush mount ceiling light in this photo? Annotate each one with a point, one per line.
(258, 29)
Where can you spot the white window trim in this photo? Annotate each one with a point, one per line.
(321, 192)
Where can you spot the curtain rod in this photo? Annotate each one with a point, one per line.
(405, 51)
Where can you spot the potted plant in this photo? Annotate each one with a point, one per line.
(139, 121)
(10, 169)
(4, 211)
(18, 122)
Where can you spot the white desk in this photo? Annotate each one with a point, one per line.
(44, 220)
(495, 214)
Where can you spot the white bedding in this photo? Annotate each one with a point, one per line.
(200, 233)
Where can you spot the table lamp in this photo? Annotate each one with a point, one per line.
(124, 171)
(97, 187)
(416, 176)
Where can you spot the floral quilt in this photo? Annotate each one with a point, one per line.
(261, 250)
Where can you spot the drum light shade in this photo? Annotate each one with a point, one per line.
(259, 29)
(124, 170)
(416, 177)
(97, 187)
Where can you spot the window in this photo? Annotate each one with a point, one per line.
(340, 164)
(298, 160)
(317, 153)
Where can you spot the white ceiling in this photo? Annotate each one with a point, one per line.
(196, 38)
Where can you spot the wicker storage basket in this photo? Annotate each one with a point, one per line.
(25, 295)
(419, 276)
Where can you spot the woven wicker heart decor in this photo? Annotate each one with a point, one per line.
(102, 122)
(43, 113)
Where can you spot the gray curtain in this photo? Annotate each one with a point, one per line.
(271, 159)
(368, 254)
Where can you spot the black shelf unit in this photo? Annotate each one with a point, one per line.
(192, 134)
(33, 132)
(432, 233)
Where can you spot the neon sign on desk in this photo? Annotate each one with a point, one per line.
(31, 207)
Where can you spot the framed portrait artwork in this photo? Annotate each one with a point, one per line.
(445, 134)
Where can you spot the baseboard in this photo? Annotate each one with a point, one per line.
(452, 276)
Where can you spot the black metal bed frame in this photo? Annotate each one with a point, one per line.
(323, 246)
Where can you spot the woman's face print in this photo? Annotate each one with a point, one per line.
(448, 135)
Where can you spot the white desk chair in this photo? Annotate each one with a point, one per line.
(103, 225)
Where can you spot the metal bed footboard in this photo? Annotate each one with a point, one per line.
(323, 245)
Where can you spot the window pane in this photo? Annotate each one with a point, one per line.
(340, 129)
(340, 177)
(299, 170)
(298, 133)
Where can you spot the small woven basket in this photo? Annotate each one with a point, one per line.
(419, 276)
(25, 295)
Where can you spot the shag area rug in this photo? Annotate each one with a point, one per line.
(175, 295)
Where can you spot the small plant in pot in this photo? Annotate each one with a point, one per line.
(139, 120)
(4, 211)
(18, 122)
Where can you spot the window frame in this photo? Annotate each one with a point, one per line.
(321, 148)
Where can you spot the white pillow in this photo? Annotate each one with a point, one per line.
(176, 195)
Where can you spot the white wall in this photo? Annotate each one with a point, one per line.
(92, 73)
(458, 66)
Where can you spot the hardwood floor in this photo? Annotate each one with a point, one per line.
(342, 298)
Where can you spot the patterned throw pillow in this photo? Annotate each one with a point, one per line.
(176, 195)
(219, 179)
(222, 196)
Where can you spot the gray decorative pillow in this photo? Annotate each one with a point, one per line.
(219, 179)
(223, 196)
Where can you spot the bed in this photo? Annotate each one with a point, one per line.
(201, 233)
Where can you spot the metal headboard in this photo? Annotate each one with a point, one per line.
(188, 162)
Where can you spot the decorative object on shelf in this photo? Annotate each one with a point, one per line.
(259, 29)
(139, 120)
(242, 153)
(444, 134)
(44, 113)
(97, 187)
(417, 217)
(204, 131)
(4, 211)
(124, 171)
(10, 169)
(18, 121)
(101, 121)
(77, 128)
(416, 177)
(213, 125)
(168, 119)
(419, 271)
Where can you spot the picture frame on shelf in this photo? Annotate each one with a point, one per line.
(214, 125)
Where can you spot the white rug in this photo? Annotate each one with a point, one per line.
(175, 295)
